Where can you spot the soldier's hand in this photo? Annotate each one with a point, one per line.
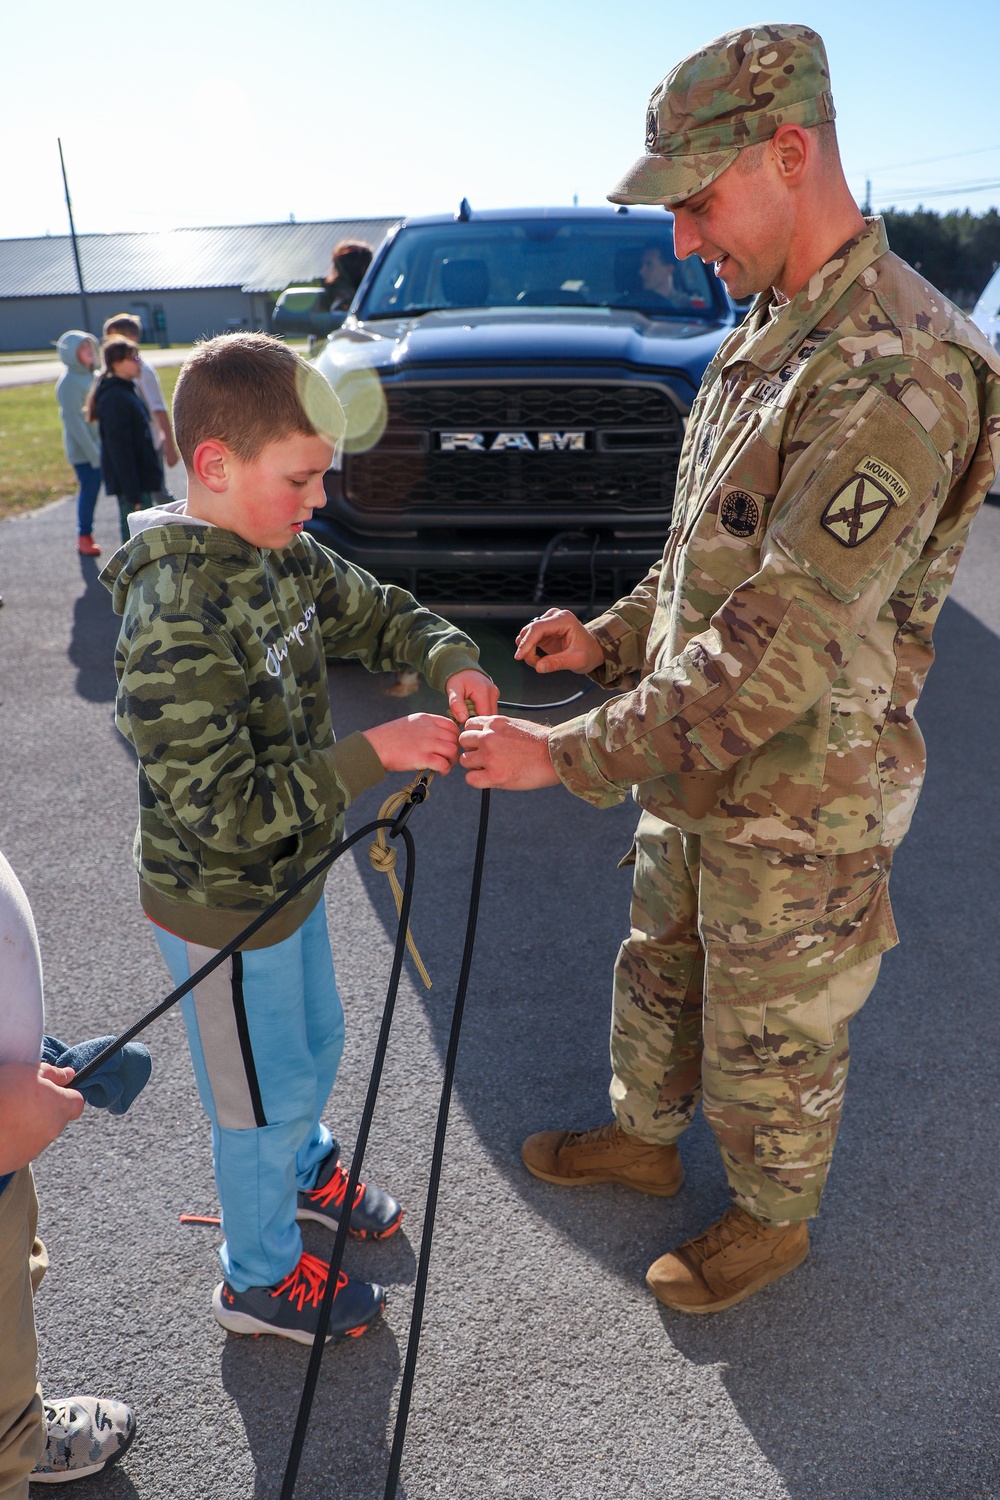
(512, 754)
(568, 645)
(36, 1105)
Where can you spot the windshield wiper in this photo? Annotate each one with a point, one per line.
(408, 312)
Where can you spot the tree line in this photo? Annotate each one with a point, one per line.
(957, 252)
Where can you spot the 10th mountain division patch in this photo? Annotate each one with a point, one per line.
(857, 510)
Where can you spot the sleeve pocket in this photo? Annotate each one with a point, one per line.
(870, 484)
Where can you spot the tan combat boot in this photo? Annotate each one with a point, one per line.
(573, 1158)
(727, 1263)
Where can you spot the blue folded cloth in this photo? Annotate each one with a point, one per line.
(116, 1082)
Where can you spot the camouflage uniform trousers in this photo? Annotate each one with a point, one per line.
(716, 997)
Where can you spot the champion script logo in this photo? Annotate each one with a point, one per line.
(277, 654)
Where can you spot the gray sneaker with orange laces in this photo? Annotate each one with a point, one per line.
(376, 1213)
(291, 1307)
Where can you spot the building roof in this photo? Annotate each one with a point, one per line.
(254, 257)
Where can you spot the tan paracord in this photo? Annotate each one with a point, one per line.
(384, 858)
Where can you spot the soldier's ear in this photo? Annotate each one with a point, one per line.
(792, 151)
(211, 465)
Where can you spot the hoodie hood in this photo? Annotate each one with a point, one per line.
(162, 515)
(68, 348)
(165, 532)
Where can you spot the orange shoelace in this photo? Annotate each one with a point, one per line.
(335, 1191)
(307, 1282)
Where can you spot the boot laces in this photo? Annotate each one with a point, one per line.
(335, 1191)
(598, 1136)
(307, 1282)
(734, 1225)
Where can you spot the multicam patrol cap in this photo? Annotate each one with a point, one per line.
(734, 92)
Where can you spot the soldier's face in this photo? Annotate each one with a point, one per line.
(742, 223)
(271, 497)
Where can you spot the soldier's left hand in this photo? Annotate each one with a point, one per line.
(512, 754)
(471, 687)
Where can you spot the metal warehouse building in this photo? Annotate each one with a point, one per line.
(184, 284)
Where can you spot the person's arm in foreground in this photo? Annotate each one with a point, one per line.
(36, 1105)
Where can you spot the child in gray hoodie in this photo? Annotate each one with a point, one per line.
(79, 352)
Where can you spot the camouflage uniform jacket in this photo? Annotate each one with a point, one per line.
(222, 691)
(834, 459)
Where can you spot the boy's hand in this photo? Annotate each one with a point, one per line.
(472, 686)
(420, 742)
(568, 646)
(35, 1107)
(512, 754)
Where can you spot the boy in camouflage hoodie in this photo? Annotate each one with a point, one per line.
(230, 614)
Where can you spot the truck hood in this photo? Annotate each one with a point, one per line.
(573, 336)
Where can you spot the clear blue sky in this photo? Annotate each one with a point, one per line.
(217, 112)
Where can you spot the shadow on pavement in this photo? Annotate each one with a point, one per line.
(264, 1376)
(350, 1428)
(873, 1371)
(94, 633)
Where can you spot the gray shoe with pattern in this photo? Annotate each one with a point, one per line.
(85, 1434)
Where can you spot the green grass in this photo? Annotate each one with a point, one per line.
(33, 466)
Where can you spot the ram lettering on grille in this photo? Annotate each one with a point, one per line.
(544, 442)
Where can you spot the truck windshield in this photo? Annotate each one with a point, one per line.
(614, 262)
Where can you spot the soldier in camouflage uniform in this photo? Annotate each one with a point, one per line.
(842, 441)
(230, 613)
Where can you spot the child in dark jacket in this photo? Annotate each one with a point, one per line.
(129, 462)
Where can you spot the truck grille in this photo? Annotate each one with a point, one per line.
(632, 436)
(485, 593)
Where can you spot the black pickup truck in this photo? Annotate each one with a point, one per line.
(516, 384)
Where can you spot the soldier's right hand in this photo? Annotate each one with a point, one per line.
(35, 1106)
(566, 644)
(420, 742)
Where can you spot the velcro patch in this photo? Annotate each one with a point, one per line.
(706, 443)
(890, 481)
(842, 504)
(740, 511)
(856, 511)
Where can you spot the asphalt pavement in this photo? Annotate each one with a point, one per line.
(547, 1371)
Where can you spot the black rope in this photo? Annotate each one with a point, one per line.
(423, 1265)
(360, 1146)
(433, 1184)
(238, 941)
(543, 707)
(397, 829)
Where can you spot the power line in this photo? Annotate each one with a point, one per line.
(955, 189)
(927, 160)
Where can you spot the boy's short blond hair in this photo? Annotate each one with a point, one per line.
(125, 323)
(247, 390)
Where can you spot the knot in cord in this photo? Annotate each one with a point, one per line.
(383, 857)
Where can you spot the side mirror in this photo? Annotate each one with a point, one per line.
(298, 311)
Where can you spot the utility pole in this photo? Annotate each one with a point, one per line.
(72, 235)
(866, 207)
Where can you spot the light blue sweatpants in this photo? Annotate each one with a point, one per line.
(266, 1031)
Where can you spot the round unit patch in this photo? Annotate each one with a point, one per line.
(739, 513)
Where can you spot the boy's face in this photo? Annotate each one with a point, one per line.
(269, 498)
